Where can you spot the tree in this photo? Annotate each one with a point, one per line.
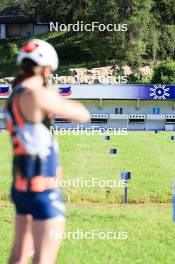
(6, 3)
(137, 14)
(167, 42)
(103, 44)
(53, 10)
(165, 10)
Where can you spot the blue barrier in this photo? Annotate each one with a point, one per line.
(125, 176)
(128, 175)
(113, 151)
(122, 176)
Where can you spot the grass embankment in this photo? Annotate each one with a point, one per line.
(72, 51)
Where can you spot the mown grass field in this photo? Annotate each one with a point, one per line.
(147, 218)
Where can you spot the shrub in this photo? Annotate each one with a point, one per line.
(11, 50)
(164, 73)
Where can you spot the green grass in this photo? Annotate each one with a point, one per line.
(150, 232)
(147, 218)
(150, 157)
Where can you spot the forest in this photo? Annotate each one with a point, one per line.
(149, 39)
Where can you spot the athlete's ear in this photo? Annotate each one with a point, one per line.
(46, 71)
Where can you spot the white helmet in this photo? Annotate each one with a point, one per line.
(40, 52)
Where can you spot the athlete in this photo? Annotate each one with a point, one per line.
(39, 204)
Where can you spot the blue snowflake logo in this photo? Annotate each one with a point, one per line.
(159, 92)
